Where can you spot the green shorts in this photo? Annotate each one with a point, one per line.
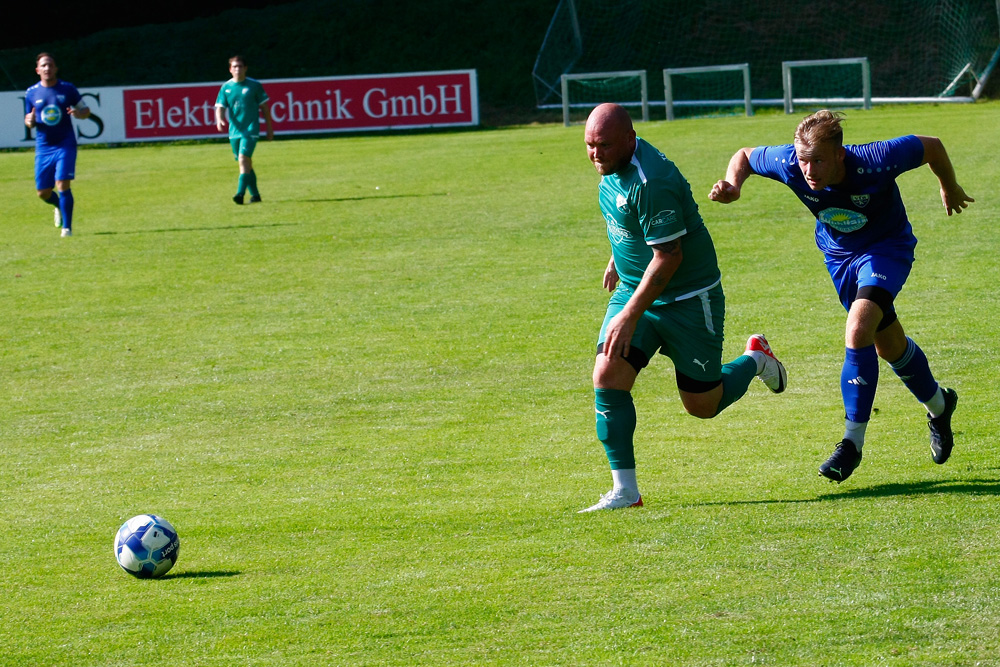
(689, 331)
(243, 145)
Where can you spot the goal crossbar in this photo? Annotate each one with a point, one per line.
(668, 87)
(625, 74)
(866, 82)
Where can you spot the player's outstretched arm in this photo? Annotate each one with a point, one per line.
(739, 170)
(952, 194)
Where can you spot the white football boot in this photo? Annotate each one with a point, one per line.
(616, 499)
(773, 375)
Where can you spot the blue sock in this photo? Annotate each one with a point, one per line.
(858, 382)
(913, 369)
(53, 199)
(615, 426)
(66, 208)
(736, 378)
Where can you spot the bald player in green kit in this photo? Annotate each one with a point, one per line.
(666, 297)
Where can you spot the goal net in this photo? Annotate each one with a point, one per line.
(833, 82)
(915, 48)
(711, 90)
(585, 91)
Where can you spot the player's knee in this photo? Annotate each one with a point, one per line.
(860, 332)
(703, 405)
(700, 412)
(613, 373)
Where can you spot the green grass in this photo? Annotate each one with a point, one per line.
(366, 406)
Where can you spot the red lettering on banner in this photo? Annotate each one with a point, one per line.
(312, 105)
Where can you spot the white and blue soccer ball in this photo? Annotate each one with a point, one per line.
(146, 546)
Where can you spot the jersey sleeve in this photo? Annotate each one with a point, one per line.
(661, 215)
(220, 99)
(73, 97)
(901, 153)
(772, 161)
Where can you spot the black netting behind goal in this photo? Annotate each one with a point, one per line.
(916, 48)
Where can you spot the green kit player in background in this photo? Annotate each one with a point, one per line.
(245, 100)
(669, 299)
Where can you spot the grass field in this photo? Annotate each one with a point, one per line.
(366, 406)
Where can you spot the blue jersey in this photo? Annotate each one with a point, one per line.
(53, 125)
(863, 210)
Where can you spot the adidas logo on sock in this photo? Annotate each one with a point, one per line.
(858, 382)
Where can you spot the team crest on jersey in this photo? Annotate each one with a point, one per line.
(860, 200)
(663, 218)
(616, 232)
(621, 203)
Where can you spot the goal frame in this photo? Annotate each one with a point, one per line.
(866, 82)
(668, 87)
(623, 74)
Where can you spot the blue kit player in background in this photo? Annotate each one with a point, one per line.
(49, 107)
(666, 298)
(867, 241)
(244, 98)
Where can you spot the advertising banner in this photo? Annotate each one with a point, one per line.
(316, 105)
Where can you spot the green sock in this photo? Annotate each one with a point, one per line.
(241, 188)
(252, 183)
(615, 426)
(736, 378)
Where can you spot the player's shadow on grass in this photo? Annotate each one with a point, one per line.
(972, 487)
(205, 574)
(367, 197)
(219, 228)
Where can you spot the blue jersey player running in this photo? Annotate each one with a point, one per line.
(867, 242)
(49, 107)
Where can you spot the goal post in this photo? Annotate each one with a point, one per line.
(742, 70)
(598, 87)
(916, 48)
(788, 66)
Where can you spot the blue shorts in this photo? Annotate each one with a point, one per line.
(54, 164)
(885, 265)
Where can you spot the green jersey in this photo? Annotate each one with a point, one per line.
(243, 101)
(648, 203)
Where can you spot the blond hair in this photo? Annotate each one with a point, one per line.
(820, 128)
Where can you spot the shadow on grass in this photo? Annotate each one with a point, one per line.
(975, 487)
(367, 197)
(219, 228)
(207, 574)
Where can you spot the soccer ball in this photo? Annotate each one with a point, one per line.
(146, 546)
